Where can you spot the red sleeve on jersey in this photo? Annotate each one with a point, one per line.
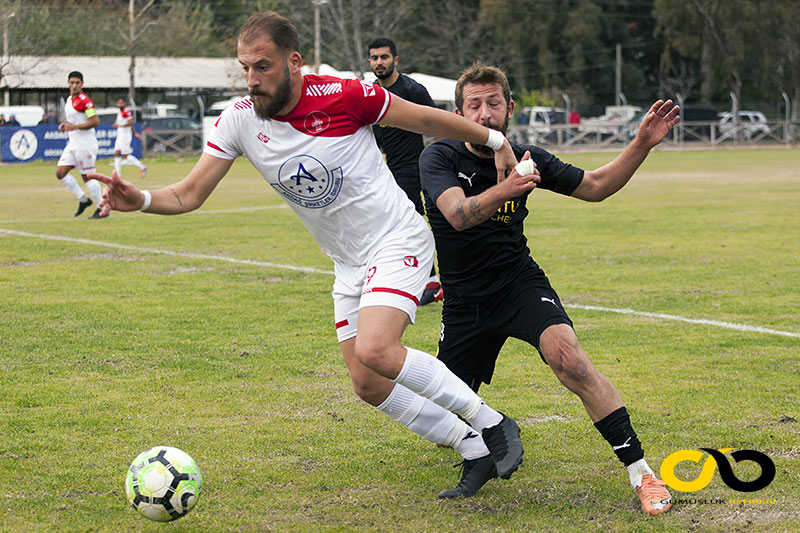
(82, 102)
(365, 100)
(126, 113)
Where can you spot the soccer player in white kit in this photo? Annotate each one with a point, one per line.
(123, 152)
(81, 149)
(310, 137)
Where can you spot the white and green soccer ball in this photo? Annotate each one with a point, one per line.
(163, 483)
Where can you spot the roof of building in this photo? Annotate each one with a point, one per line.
(194, 73)
(50, 72)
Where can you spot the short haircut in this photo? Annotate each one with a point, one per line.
(276, 28)
(75, 74)
(380, 42)
(481, 74)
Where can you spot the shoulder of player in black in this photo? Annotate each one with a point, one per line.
(536, 152)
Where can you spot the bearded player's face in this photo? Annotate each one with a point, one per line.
(486, 105)
(268, 78)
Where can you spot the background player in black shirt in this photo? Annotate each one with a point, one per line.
(494, 288)
(402, 147)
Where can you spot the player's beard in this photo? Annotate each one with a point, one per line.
(482, 148)
(268, 105)
(388, 71)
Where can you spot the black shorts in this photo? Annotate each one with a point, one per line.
(473, 333)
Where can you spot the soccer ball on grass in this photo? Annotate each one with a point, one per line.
(163, 483)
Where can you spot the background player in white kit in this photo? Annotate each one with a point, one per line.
(81, 149)
(123, 152)
(311, 139)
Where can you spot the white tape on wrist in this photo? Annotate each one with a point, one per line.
(524, 168)
(495, 140)
(147, 199)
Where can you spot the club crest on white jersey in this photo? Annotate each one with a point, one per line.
(305, 181)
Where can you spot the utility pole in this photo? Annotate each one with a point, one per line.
(131, 40)
(618, 77)
(6, 57)
(317, 61)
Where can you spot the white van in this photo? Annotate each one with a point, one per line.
(212, 112)
(27, 115)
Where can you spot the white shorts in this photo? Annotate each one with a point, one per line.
(123, 143)
(83, 160)
(395, 275)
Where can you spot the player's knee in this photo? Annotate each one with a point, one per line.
(563, 353)
(368, 391)
(370, 353)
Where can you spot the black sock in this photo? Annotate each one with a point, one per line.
(617, 430)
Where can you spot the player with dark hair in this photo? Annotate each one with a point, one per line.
(81, 150)
(402, 147)
(310, 137)
(494, 288)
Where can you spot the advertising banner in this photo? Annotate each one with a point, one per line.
(24, 144)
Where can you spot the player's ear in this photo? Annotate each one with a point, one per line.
(294, 60)
(511, 109)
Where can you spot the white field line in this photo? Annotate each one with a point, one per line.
(165, 252)
(717, 323)
(662, 316)
(200, 212)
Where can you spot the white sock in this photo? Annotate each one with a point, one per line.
(72, 186)
(423, 417)
(637, 470)
(486, 417)
(95, 190)
(430, 378)
(131, 160)
(118, 165)
(472, 446)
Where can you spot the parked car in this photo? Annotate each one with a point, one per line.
(163, 127)
(751, 122)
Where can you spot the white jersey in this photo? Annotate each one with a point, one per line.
(75, 109)
(124, 131)
(323, 159)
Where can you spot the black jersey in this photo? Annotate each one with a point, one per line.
(478, 261)
(402, 148)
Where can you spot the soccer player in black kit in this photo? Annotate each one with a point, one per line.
(494, 288)
(401, 147)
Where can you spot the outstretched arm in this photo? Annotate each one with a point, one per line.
(181, 197)
(597, 185)
(444, 125)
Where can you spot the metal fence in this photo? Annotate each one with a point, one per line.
(566, 137)
(173, 142)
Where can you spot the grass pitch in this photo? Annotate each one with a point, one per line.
(121, 334)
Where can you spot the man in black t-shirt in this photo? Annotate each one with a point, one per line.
(495, 290)
(402, 147)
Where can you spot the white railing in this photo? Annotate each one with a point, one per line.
(565, 137)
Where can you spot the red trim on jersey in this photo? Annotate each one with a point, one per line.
(125, 113)
(397, 292)
(215, 147)
(342, 323)
(82, 102)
